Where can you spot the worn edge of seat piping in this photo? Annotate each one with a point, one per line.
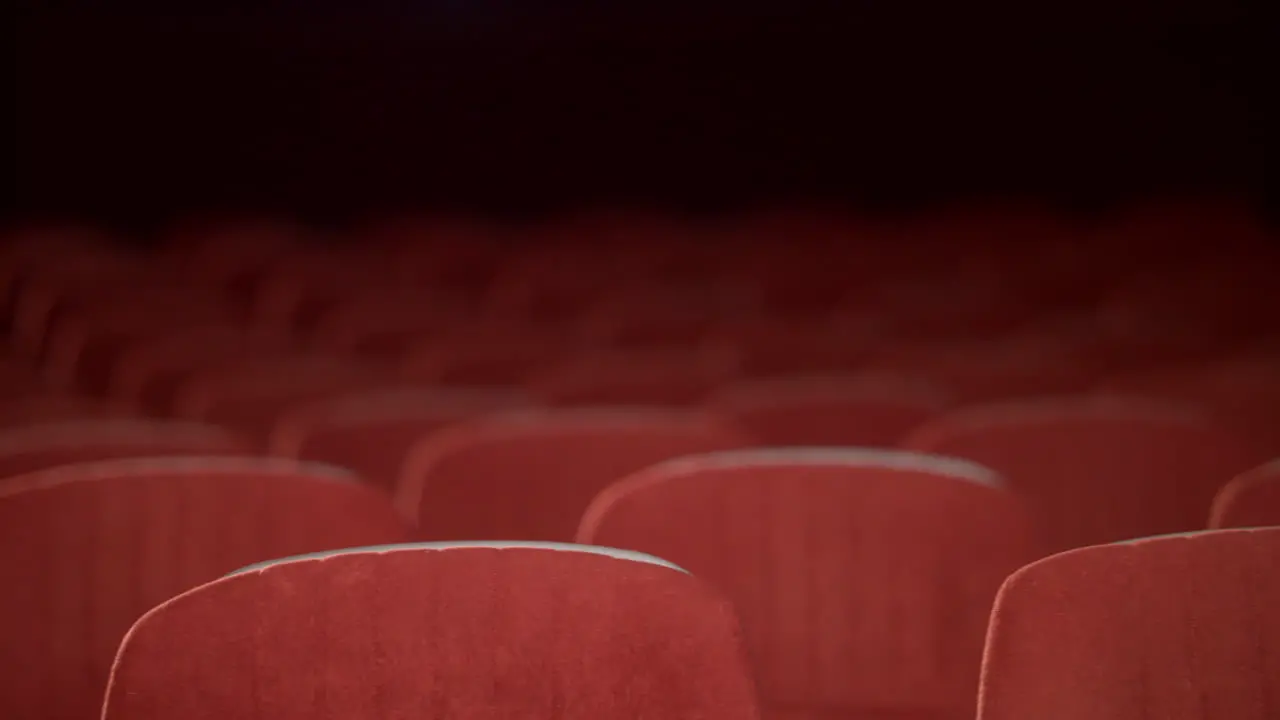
(615, 553)
(56, 433)
(849, 457)
(149, 466)
(1187, 535)
(1033, 567)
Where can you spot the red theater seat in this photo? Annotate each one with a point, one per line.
(1252, 499)
(485, 355)
(372, 432)
(87, 549)
(1177, 628)
(29, 448)
(867, 411)
(971, 371)
(251, 397)
(863, 578)
(82, 347)
(772, 346)
(144, 371)
(384, 323)
(42, 409)
(460, 632)
(1096, 469)
(1242, 391)
(529, 475)
(675, 378)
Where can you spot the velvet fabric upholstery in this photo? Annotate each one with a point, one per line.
(864, 579)
(1096, 469)
(87, 549)
(859, 411)
(1252, 499)
(372, 432)
(252, 397)
(490, 354)
(1242, 391)
(671, 378)
(529, 475)
(25, 449)
(1177, 628)
(471, 633)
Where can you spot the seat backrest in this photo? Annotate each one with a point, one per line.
(1251, 499)
(219, 390)
(1179, 628)
(529, 475)
(863, 578)
(87, 549)
(470, 633)
(662, 378)
(490, 354)
(253, 396)
(1096, 469)
(372, 432)
(1243, 391)
(29, 448)
(1027, 365)
(849, 410)
(42, 408)
(137, 373)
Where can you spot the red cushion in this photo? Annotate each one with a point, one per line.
(1177, 628)
(85, 550)
(529, 476)
(863, 578)
(473, 633)
(1250, 500)
(1096, 470)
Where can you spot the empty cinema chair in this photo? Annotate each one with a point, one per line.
(43, 408)
(869, 411)
(487, 354)
(465, 632)
(143, 373)
(863, 579)
(372, 432)
(252, 396)
(529, 475)
(1252, 499)
(664, 378)
(1099, 469)
(87, 549)
(1180, 627)
(1242, 391)
(28, 448)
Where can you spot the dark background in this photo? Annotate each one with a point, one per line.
(132, 115)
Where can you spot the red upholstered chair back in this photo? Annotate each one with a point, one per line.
(29, 448)
(529, 476)
(1096, 469)
(461, 633)
(373, 432)
(864, 579)
(853, 410)
(1178, 628)
(645, 378)
(85, 550)
(1250, 500)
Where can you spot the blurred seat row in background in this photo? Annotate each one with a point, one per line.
(854, 430)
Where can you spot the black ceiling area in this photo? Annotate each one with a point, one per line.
(131, 114)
